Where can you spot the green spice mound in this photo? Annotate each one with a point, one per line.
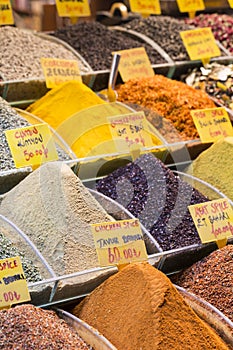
(215, 166)
(139, 308)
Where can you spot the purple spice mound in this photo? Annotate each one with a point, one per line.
(152, 193)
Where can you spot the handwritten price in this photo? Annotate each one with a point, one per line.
(10, 297)
(114, 254)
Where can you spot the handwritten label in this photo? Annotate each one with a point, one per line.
(190, 5)
(58, 71)
(13, 284)
(230, 3)
(212, 124)
(213, 220)
(145, 6)
(6, 14)
(200, 43)
(130, 129)
(135, 64)
(119, 242)
(32, 145)
(73, 8)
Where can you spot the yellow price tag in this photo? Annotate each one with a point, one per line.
(13, 284)
(119, 242)
(73, 8)
(230, 3)
(130, 129)
(58, 71)
(135, 64)
(212, 124)
(213, 220)
(145, 7)
(200, 43)
(31, 145)
(6, 14)
(190, 5)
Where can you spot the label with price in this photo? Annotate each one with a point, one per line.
(13, 284)
(200, 43)
(73, 8)
(148, 7)
(230, 3)
(190, 5)
(212, 123)
(58, 71)
(130, 129)
(135, 64)
(31, 145)
(119, 242)
(213, 220)
(6, 15)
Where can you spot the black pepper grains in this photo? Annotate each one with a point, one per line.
(95, 43)
(212, 279)
(30, 328)
(151, 192)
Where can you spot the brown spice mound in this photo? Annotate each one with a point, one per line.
(172, 99)
(29, 327)
(212, 279)
(139, 308)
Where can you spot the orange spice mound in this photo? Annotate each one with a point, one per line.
(139, 308)
(172, 99)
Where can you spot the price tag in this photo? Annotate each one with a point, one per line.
(119, 242)
(31, 145)
(58, 71)
(13, 284)
(200, 44)
(135, 64)
(190, 6)
(213, 220)
(129, 130)
(230, 3)
(6, 14)
(73, 8)
(212, 124)
(145, 6)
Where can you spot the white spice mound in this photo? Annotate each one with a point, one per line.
(55, 210)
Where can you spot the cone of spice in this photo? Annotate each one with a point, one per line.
(139, 308)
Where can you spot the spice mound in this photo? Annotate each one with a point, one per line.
(59, 224)
(212, 279)
(21, 53)
(151, 192)
(172, 99)
(139, 308)
(215, 167)
(63, 101)
(29, 327)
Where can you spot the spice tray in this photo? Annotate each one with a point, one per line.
(210, 315)
(89, 334)
(23, 92)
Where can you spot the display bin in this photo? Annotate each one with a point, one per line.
(89, 334)
(210, 315)
(23, 92)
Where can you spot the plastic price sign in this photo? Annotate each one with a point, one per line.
(146, 7)
(6, 14)
(135, 64)
(213, 220)
(200, 44)
(31, 145)
(212, 124)
(190, 6)
(73, 8)
(58, 71)
(13, 284)
(119, 242)
(129, 130)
